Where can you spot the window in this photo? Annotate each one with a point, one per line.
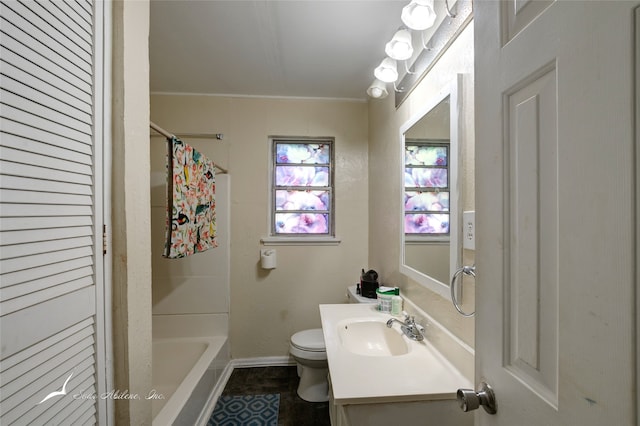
(426, 188)
(302, 187)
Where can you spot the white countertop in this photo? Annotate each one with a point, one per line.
(421, 374)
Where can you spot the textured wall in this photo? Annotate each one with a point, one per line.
(268, 306)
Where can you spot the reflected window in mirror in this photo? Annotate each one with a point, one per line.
(426, 189)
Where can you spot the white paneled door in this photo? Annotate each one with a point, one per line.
(53, 343)
(555, 211)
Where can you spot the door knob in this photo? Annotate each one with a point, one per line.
(468, 399)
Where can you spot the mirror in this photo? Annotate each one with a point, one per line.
(430, 207)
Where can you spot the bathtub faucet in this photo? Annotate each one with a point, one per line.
(409, 327)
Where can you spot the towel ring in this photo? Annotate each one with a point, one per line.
(467, 270)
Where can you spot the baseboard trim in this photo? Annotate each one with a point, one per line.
(270, 361)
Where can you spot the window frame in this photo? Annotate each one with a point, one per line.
(413, 238)
(275, 238)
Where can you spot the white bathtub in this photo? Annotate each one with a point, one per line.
(185, 371)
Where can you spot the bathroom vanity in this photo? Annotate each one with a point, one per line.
(379, 376)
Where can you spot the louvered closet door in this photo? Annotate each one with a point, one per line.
(51, 277)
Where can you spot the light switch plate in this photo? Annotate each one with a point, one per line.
(469, 230)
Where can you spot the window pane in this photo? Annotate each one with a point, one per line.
(426, 201)
(301, 223)
(302, 200)
(302, 187)
(302, 153)
(419, 177)
(420, 223)
(420, 155)
(302, 176)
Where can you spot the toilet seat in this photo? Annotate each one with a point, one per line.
(309, 340)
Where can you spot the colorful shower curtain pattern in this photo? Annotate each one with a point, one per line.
(191, 187)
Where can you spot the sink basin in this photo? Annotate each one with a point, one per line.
(361, 347)
(371, 338)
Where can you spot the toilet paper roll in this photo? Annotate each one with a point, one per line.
(268, 259)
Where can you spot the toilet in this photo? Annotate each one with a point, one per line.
(308, 349)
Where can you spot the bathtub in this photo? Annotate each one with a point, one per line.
(185, 375)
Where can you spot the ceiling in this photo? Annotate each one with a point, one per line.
(323, 48)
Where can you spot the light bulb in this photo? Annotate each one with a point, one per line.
(419, 14)
(377, 90)
(400, 46)
(387, 71)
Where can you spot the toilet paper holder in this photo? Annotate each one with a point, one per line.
(268, 258)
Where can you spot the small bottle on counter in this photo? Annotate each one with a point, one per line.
(396, 305)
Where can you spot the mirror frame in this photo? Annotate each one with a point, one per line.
(454, 91)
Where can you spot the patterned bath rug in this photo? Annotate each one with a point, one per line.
(246, 410)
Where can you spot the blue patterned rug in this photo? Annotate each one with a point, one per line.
(246, 410)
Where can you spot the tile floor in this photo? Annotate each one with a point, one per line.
(283, 380)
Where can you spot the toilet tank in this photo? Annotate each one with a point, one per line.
(353, 297)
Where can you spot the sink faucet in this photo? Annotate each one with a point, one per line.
(409, 327)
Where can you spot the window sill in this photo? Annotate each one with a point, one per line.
(300, 241)
(426, 240)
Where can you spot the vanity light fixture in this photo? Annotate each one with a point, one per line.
(377, 90)
(400, 46)
(387, 71)
(419, 14)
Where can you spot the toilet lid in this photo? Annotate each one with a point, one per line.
(309, 340)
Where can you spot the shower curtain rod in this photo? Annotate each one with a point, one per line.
(218, 136)
(168, 135)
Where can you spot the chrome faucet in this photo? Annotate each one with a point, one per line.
(409, 327)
